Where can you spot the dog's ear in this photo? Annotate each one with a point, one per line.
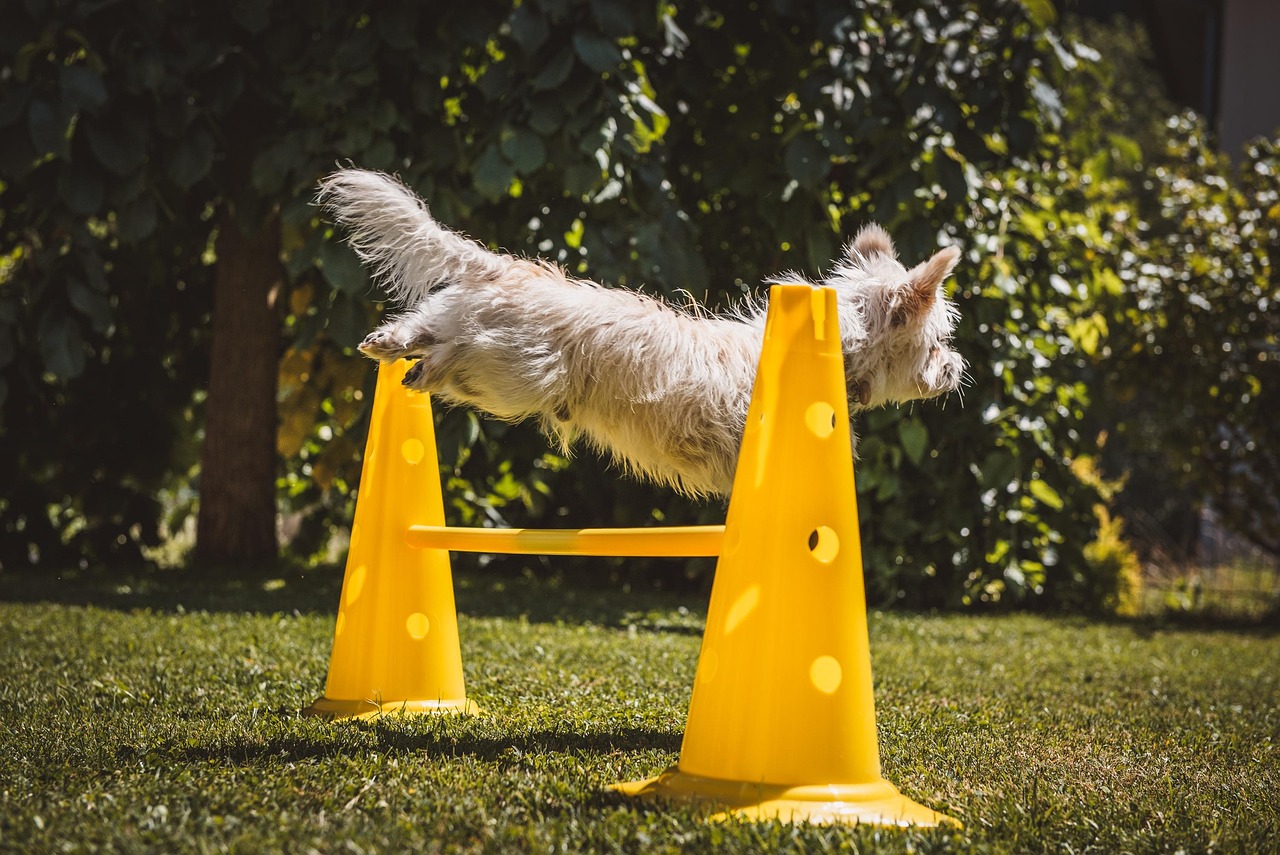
(931, 274)
(871, 240)
(923, 282)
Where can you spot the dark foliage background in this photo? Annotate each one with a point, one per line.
(1115, 287)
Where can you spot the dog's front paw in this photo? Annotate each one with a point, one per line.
(382, 345)
(416, 376)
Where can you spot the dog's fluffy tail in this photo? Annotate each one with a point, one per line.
(392, 231)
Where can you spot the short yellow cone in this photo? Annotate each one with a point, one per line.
(395, 646)
(782, 721)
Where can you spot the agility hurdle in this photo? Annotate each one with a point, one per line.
(781, 723)
(668, 542)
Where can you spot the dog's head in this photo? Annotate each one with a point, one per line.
(896, 322)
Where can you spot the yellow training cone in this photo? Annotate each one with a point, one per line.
(395, 646)
(782, 721)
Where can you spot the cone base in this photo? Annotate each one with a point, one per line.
(878, 803)
(340, 709)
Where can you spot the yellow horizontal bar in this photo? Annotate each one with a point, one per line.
(666, 542)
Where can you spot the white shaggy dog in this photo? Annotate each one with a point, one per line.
(664, 392)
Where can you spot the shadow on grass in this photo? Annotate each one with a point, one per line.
(396, 742)
(179, 590)
(478, 593)
(1148, 626)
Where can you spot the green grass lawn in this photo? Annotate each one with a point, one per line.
(169, 722)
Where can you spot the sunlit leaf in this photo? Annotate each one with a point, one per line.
(1045, 494)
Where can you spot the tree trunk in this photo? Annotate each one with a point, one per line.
(236, 526)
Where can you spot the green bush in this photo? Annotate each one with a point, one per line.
(700, 147)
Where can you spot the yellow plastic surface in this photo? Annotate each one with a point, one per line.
(395, 644)
(666, 542)
(782, 720)
(876, 803)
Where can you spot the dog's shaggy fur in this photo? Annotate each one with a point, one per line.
(664, 392)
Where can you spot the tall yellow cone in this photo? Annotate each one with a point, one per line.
(395, 646)
(782, 721)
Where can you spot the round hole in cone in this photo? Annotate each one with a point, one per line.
(824, 544)
(355, 584)
(418, 625)
(826, 674)
(413, 451)
(821, 419)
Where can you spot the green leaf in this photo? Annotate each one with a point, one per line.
(599, 54)
(914, 437)
(380, 155)
(457, 432)
(7, 347)
(191, 159)
(1045, 494)
(92, 267)
(342, 269)
(524, 149)
(253, 15)
(397, 25)
(886, 485)
(1042, 12)
(529, 28)
(1032, 224)
(1127, 150)
(83, 87)
(61, 346)
(1087, 332)
(492, 174)
(348, 324)
(271, 168)
(581, 179)
(545, 114)
(123, 190)
(806, 160)
(822, 248)
(951, 178)
(90, 303)
(81, 191)
(47, 126)
(997, 468)
(116, 146)
(136, 220)
(555, 72)
(498, 81)
(614, 17)
(12, 105)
